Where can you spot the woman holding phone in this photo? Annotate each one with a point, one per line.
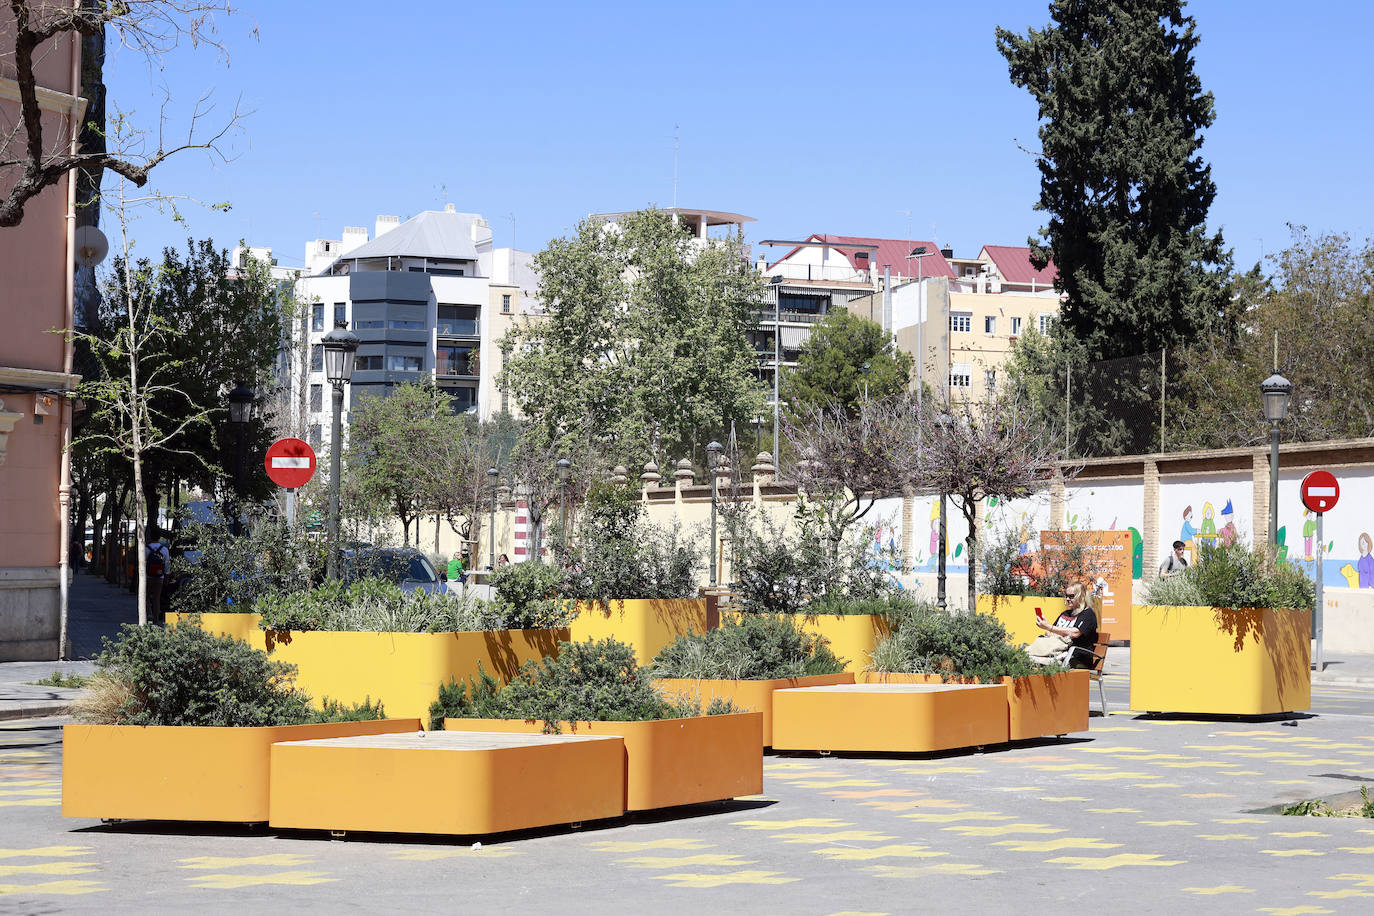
(1078, 624)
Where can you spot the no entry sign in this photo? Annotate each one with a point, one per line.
(1320, 491)
(290, 463)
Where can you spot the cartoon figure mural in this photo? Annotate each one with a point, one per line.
(1228, 528)
(1209, 522)
(1137, 553)
(1187, 533)
(935, 529)
(1366, 562)
(1309, 529)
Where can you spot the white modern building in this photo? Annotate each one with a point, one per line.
(430, 299)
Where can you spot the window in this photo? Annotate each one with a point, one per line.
(458, 320)
(990, 324)
(369, 325)
(990, 379)
(317, 317)
(406, 325)
(368, 363)
(316, 397)
(1046, 322)
(505, 305)
(463, 398)
(316, 358)
(961, 321)
(405, 363)
(960, 375)
(453, 361)
(1016, 327)
(339, 313)
(314, 436)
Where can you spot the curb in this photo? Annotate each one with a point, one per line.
(1349, 680)
(35, 711)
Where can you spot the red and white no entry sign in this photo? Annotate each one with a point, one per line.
(290, 463)
(1320, 491)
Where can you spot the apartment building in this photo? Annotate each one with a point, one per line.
(430, 299)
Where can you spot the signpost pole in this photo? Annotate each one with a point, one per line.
(1317, 611)
(291, 507)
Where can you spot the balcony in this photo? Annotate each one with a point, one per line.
(789, 317)
(459, 327)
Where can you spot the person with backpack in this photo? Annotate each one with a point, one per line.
(158, 557)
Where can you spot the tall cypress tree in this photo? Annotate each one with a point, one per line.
(1122, 113)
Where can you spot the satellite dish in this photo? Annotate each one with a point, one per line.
(91, 246)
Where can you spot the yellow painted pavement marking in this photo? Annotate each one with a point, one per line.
(1221, 747)
(1064, 798)
(1208, 795)
(1104, 777)
(839, 836)
(1114, 811)
(1239, 820)
(1360, 850)
(1003, 829)
(1120, 860)
(636, 846)
(943, 868)
(931, 817)
(1221, 889)
(18, 755)
(46, 851)
(1290, 853)
(1341, 894)
(24, 783)
(1200, 764)
(738, 877)
(62, 888)
(282, 859)
(705, 858)
(1224, 836)
(1056, 844)
(1360, 880)
(230, 882)
(799, 822)
(29, 802)
(881, 793)
(1168, 823)
(880, 852)
(1293, 910)
(47, 790)
(431, 855)
(1297, 833)
(48, 868)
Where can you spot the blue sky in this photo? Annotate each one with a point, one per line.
(810, 117)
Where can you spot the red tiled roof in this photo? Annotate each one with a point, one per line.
(891, 253)
(1013, 263)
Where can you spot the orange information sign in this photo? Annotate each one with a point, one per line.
(1106, 569)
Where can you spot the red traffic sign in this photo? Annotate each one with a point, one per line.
(290, 463)
(1320, 491)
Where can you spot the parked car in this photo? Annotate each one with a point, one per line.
(405, 566)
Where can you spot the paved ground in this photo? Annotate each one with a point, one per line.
(1138, 815)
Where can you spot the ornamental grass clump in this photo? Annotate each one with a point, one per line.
(377, 606)
(186, 676)
(971, 645)
(588, 682)
(752, 649)
(1234, 576)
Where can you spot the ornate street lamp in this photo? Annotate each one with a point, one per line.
(713, 460)
(1276, 390)
(945, 422)
(340, 351)
(491, 534)
(240, 412)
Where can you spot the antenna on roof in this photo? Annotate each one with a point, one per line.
(511, 216)
(676, 146)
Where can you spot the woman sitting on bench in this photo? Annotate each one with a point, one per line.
(1077, 625)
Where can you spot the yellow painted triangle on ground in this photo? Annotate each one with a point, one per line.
(24, 783)
(1358, 850)
(282, 859)
(229, 882)
(48, 868)
(707, 858)
(799, 822)
(880, 793)
(880, 852)
(1056, 844)
(723, 880)
(839, 836)
(1341, 894)
(639, 845)
(431, 855)
(46, 851)
(46, 790)
(1290, 853)
(59, 888)
(1221, 889)
(1298, 833)
(1360, 880)
(1120, 860)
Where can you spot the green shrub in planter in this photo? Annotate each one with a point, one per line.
(616, 554)
(376, 606)
(587, 682)
(927, 640)
(1234, 576)
(528, 596)
(754, 649)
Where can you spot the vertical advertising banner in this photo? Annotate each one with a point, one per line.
(1103, 560)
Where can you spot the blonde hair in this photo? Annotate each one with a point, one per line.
(1075, 589)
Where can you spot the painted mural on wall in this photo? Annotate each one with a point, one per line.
(1205, 509)
(1348, 530)
(1109, 506)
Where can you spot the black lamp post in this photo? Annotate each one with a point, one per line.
(240, 412)
(1276, 390)
(340, 351)
(491, 534)
(564, 472)
(945, 422)
(712, 460)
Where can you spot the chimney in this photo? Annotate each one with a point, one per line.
(385, 224)
(947, 252)
(353, 237)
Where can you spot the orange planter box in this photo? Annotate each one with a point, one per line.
(908, 718)
(1047, 704)
(670, 761)
(446, 782)
(183, 772)
(752, 695)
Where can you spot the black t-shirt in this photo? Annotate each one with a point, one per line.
(1085, 621)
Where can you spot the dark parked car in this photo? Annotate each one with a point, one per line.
(405, 566)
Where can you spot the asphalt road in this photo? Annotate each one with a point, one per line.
(1139, 815)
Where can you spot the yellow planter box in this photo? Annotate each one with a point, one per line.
(1221, 661)
(752, 695)
(182, 773)
(446, 782)
(669, 762)
(909, 718)
(1017, 614)
(648, 624)
(852, 636)
(239, 626)
(1046, 704)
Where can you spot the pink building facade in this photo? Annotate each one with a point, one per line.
(35, 363)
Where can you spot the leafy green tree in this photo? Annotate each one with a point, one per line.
(1122, 112)
(644, 339)
(847, 358)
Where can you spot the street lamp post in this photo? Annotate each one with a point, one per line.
(944, 421)
(918, 253)
(712, 460)
(340, 351)
(1276, 390)
(240, 410)
(491, 533)
(564, 472)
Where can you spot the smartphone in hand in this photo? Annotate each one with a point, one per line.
(1039, 613)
